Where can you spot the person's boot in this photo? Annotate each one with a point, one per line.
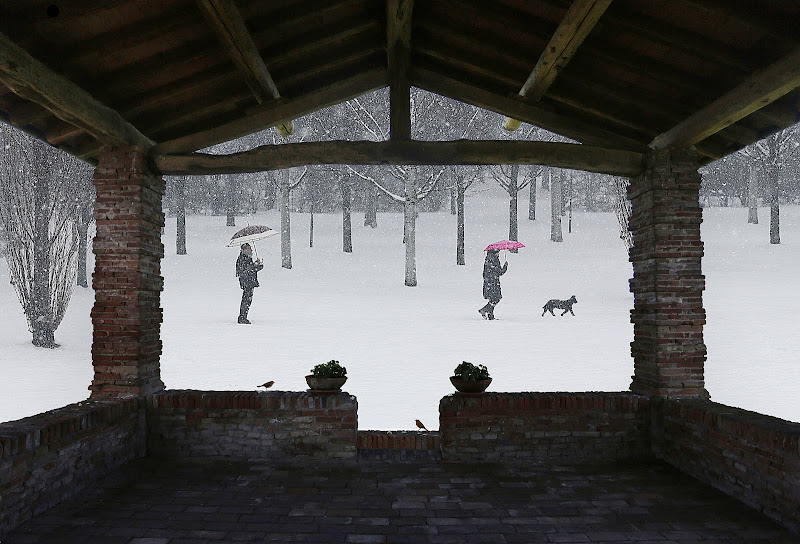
(243, 320)
(485, 311)
(490, 312)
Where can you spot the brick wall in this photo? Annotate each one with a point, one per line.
(399, 446)
(667, 284)
(252, 425)
(554, 427)
(750, 456)
(127, 278)
(49, 457)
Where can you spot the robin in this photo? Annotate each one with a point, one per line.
(267, 385)
(420, 425)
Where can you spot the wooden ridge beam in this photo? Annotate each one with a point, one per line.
(479, 152)
(32, 80)
(753, 93)
(229, 26)
(580, 19)
(519, 109)
(268, 115)
(398, 53)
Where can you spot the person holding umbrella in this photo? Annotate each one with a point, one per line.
(247, 272)
(491, 282)
(491, 275)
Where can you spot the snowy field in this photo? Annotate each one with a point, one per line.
(400, 344)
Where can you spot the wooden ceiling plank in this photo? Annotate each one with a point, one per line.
(519, 109)
(484, 152)
(398, 54)
(752, 94)
(224, 17)
(267, 115)
(32, 80)
(575, 27)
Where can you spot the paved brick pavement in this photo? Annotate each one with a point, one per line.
(151, 502)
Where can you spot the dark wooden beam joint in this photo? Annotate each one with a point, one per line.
(275, 157)
(398, 53)
(575, 27)
(32, 80)
(229, 26)
(753, 93)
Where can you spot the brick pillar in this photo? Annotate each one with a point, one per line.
(668, 315)
(127, 278)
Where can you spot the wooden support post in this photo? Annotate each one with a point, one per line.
(398, 50)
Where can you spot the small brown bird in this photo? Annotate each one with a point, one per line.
(267, 385)
(421, 426)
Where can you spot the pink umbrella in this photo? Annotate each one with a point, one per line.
(504, 244)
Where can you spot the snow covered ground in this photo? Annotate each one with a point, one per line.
(400, 344)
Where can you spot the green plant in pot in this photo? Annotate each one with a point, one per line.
(469, 378)
(329, 377)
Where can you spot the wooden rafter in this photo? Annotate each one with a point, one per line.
(274, 157)
(753, 93)
(268, 115)
(519, 109)
(32, 80)
(224, 17)
(581, 18)
(398, 52)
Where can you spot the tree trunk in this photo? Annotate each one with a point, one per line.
(230, 204)
(180, 215)
(454, 198)
(513, 207)
(371, 206)
(41, 316)
(409, 227)
(563, 188)
(774, 222)
(347, 228)
(555, 208)
(546, 177)
(311, 227)
(83, 248)
(532, 201)
(286, 240)
(460, 190)
(752, 197)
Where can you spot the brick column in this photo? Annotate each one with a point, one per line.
(127, 279)
(668, 315)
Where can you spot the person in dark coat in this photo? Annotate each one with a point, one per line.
(247, 272)
(491, 282)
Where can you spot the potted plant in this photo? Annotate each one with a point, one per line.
(469, 378)
(329, 377)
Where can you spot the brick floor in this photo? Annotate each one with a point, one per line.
(159, 502)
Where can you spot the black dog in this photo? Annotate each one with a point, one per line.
(565, 305)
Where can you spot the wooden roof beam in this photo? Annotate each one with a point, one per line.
(398, 53)
(32, 80)
(268, 115)
(580, 19)
(753, 93)
(519, 109)
(224, 17)
(275, 157)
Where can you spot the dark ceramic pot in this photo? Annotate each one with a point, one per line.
(470, 387)
(325, 384)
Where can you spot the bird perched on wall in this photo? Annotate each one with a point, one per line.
(267, 385)
(420, 425)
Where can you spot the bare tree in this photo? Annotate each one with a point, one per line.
(84, 216)
(555, 206)
(512, 179)
(752, 196)
(38, 208)
(287, 180)
(180, 215)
